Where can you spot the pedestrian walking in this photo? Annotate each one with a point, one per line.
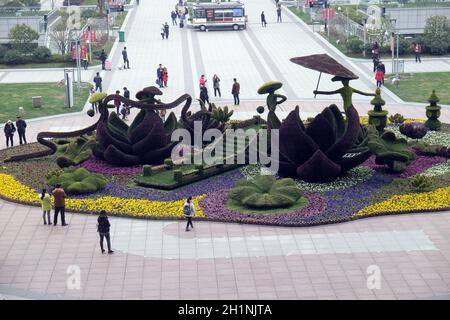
(159, 73)
(379, 75)
(60, 205)
(126, 62)
(263, 19)
(117, 102)
(166, 30)
(165, 76)
(163, 32)
(216, 85)
(126, 93)
(46, 205)
(103, 226)
(182, 18)
(204, 95)
(382, 67)
(102, 58)
(85, 62)
(202, 81)
(98, 82)
(235, 91)
(418, 52)
(375, 61)
(9, 130)
(95, 104)
(189, 212)
(21, 126)
(279, 14)
(174, 16)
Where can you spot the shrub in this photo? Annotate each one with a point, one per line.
(265, 192)
(436, 35)
(354, 44)
(200, 168)
(178, 176)
(42, 54)
(13, 57)
(147, 170)
(421, 183)
(169, 164)
(22, 37)
(3, 50)
(79, 181)
(260, 109)
(91, 113)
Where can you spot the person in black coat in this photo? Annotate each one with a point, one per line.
(102, 58)
(166, 30)
(204, 95)
(9, 130)
(21, 126)
(103, 230)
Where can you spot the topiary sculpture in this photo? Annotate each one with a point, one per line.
(79, 181)
(273, 99)
(397, 118)
(76, 151)
(221, 115)
(377, 116)
(413, 130)
(433, 113)
(426, 149)
(389, 150)
(265, 192)
(322, 151)
(204, 116)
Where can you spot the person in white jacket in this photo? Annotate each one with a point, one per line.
(189, 212)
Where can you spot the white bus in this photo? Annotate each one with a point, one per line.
(219, 15)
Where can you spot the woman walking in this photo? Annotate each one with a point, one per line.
(216, 85)
(117, 102)
(46, 205)
(189, 212)
(204, 95)
(379, 76)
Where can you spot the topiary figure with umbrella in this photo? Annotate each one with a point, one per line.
(273, 99)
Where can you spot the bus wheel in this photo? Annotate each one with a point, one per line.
(202, 28)
(235, 27)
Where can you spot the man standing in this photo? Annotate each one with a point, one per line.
(166, 30)
(98, 82)
(263, 19)
(9, 130)
(279, 13)
(60, 205)
(103, 226)
(102, 58)
(418, 51)
(159, 73)
(21, 125)
(126, 62)
(235, 91)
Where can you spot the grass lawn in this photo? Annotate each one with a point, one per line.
(301, 14)
(417, 87)
(53, 99)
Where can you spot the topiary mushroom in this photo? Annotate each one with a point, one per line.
(97, 97)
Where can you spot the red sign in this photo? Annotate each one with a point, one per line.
(91, 35)
(83, 52)
(74, 52)
(330, 13)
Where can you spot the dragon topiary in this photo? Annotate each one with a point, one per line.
(76, 151)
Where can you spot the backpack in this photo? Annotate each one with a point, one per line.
(187, 209)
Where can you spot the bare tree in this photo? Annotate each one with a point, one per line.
(59, 35)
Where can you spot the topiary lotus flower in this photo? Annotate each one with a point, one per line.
(145, 141)
(322, 151)
(265, 192)
(79, 181)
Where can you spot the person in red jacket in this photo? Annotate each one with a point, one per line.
(379, 76)
(165, 76)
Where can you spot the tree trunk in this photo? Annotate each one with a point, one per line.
(101, 7)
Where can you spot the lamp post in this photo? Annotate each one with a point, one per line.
(77, 39)
(392, 45)
(365, 30)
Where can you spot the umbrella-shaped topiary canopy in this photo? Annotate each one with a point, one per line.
(97, 97)
(325, 63)
(269, 87)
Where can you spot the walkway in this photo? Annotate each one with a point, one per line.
(159, 260)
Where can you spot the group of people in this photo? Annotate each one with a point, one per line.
(378, 66)
(162, 76)
(165, 31)
(180, 12)
(122, 108)
(278, 8)
(10, 130)
(204, 97)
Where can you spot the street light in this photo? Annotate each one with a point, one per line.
(392, 45)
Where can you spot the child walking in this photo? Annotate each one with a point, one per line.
(46, 205)
(189, 212)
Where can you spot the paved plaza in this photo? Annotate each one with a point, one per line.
(158, 259)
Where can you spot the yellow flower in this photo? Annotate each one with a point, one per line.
(12, 189)
(433, 200)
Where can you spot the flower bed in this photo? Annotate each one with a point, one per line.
(364, 191)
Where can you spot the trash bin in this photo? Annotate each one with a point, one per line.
(36, 101)
(121, 36)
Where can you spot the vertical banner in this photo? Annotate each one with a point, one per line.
(391, 42)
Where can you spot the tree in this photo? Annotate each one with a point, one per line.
(436, 35)
(22, 37)
(101, 8)
(59, 33)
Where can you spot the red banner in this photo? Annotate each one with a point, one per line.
(391, 42)
(91, 35)
(83, 52)
(330, 13)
